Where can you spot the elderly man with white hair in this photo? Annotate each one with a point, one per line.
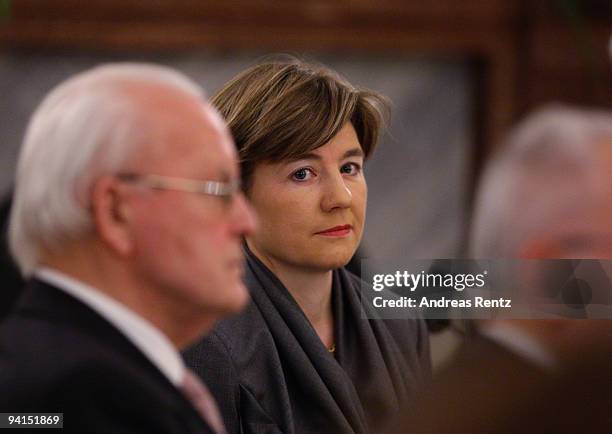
(127, 221)
(546, 195)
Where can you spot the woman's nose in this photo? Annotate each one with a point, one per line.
(336, 194)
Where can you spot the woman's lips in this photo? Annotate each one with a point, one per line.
(336, 231)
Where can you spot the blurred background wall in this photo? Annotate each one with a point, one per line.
(413, 211)
(459, 73)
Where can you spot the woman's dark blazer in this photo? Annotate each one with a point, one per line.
(270, 372)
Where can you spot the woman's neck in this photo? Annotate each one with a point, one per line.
(310, 288)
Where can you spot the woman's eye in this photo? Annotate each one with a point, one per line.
(303, 174)
(350, 168)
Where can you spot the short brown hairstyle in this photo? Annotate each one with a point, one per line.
(282, 109)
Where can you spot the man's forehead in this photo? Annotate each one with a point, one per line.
(218, 141)
(604, 150)
(193, 138)
(194, 158)
(214, 117)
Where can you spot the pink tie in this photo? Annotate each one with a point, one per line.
(202, 400)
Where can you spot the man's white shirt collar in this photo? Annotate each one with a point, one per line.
(146, 337)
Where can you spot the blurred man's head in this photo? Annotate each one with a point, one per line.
(114, 187)
(548, 193)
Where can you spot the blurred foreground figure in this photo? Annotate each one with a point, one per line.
(547, 195)
(127, 221)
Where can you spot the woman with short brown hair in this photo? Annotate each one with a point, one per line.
(300, 359)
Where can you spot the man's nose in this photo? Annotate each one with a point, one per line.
(244, 216)
(336, 193)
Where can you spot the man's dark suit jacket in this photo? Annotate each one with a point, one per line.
(490, 389)
(58, 355)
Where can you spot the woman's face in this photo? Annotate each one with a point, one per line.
(311, 210)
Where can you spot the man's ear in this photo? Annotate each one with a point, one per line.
(541, 248)
(110, 216)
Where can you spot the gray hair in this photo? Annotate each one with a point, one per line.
(84, 127)
(544, 169)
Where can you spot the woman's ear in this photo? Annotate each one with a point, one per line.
(110, 216)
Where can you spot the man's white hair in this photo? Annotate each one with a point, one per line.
(544, 170)
(85, 126)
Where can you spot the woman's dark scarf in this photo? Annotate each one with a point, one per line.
(376, 367)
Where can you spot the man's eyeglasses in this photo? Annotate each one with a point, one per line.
(226, 190)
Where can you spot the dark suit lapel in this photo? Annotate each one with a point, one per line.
(48, 303)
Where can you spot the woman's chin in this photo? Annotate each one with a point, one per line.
(330, 261)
